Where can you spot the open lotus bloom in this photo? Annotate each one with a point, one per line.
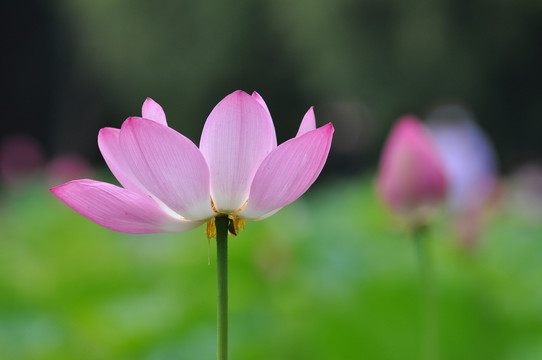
(411, 177)
(171, 185)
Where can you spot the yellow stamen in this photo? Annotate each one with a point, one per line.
(238, 224)
(235, 224)
(210, 230)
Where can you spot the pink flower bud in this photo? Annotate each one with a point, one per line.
(411, 177)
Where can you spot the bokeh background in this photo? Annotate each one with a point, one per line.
(332, 276)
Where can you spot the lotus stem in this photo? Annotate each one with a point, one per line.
(428, 305)
(222, 222)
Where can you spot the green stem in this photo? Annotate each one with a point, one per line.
(221, 222)
(428, 307)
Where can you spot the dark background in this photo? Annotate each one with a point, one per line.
(72, 67)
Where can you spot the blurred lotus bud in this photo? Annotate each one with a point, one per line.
(411, 178)
(21, 158)
(470, 164)
(67, 167)
(468, 157)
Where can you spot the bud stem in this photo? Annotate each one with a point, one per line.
(428, 305)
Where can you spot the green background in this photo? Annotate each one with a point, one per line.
(332, 276)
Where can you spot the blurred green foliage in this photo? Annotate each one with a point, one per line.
(331, 276)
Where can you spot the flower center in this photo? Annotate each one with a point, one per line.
(235, 224)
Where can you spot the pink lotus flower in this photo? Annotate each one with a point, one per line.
(171, 185)
(411, 176)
